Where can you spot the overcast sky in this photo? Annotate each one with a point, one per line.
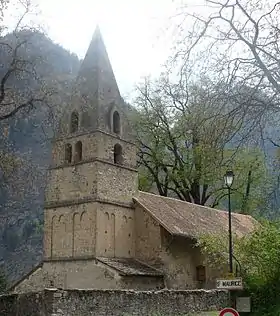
(134, 31)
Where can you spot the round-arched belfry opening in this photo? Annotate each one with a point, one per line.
(118, 154)
(74, 122)
(78, 151)
(116, 122)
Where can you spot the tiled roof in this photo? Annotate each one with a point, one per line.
(130, 266)
(191, 220)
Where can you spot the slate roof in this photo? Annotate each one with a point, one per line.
(191, 220)
(130, 266)
(96, 78)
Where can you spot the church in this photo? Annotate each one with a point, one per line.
(100, 231)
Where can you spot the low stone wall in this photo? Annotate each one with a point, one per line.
(54, 302)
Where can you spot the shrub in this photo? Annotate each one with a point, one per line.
(258, 255)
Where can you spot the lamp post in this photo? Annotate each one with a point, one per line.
(229, 177)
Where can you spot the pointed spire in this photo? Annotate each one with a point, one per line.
(97, 33)
(96, 78)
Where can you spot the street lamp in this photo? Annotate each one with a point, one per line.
(229, 177)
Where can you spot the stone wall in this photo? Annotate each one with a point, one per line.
(71, 182)
(89, 229)
(115, 231)
(95, 145)
(70, 231)
(177, 257)
(116, 183)
(85, 274)
(148, 237)
(108, 302)
(89, 142)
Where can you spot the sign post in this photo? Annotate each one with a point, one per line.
(228, 312)
(229, 284)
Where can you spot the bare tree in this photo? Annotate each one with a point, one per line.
(235, 42)
(3, 6)
(22, 87)
(18, 68)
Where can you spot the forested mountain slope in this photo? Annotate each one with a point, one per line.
(26, 139)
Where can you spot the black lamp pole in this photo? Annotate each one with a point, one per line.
(229, 176)
(230, 234)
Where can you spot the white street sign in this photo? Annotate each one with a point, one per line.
(230, 284)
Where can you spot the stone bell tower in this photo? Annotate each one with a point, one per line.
(88, 210)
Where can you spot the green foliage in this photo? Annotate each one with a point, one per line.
(251, 184)
(145, 180)
(39, 227)
(258, 255)
(188, 136)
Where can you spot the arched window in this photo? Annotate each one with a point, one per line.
(116, 123)
(78, 151)
(74, 122)
(68, 153)
(118, 159)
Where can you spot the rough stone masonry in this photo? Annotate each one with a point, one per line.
(55, 302)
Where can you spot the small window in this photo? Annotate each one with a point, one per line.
(116, 123)
(78, 151)
(74, 122)
(118, 154)
(201, 274)
(68, 153)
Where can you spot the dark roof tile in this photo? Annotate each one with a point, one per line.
(130, 266)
